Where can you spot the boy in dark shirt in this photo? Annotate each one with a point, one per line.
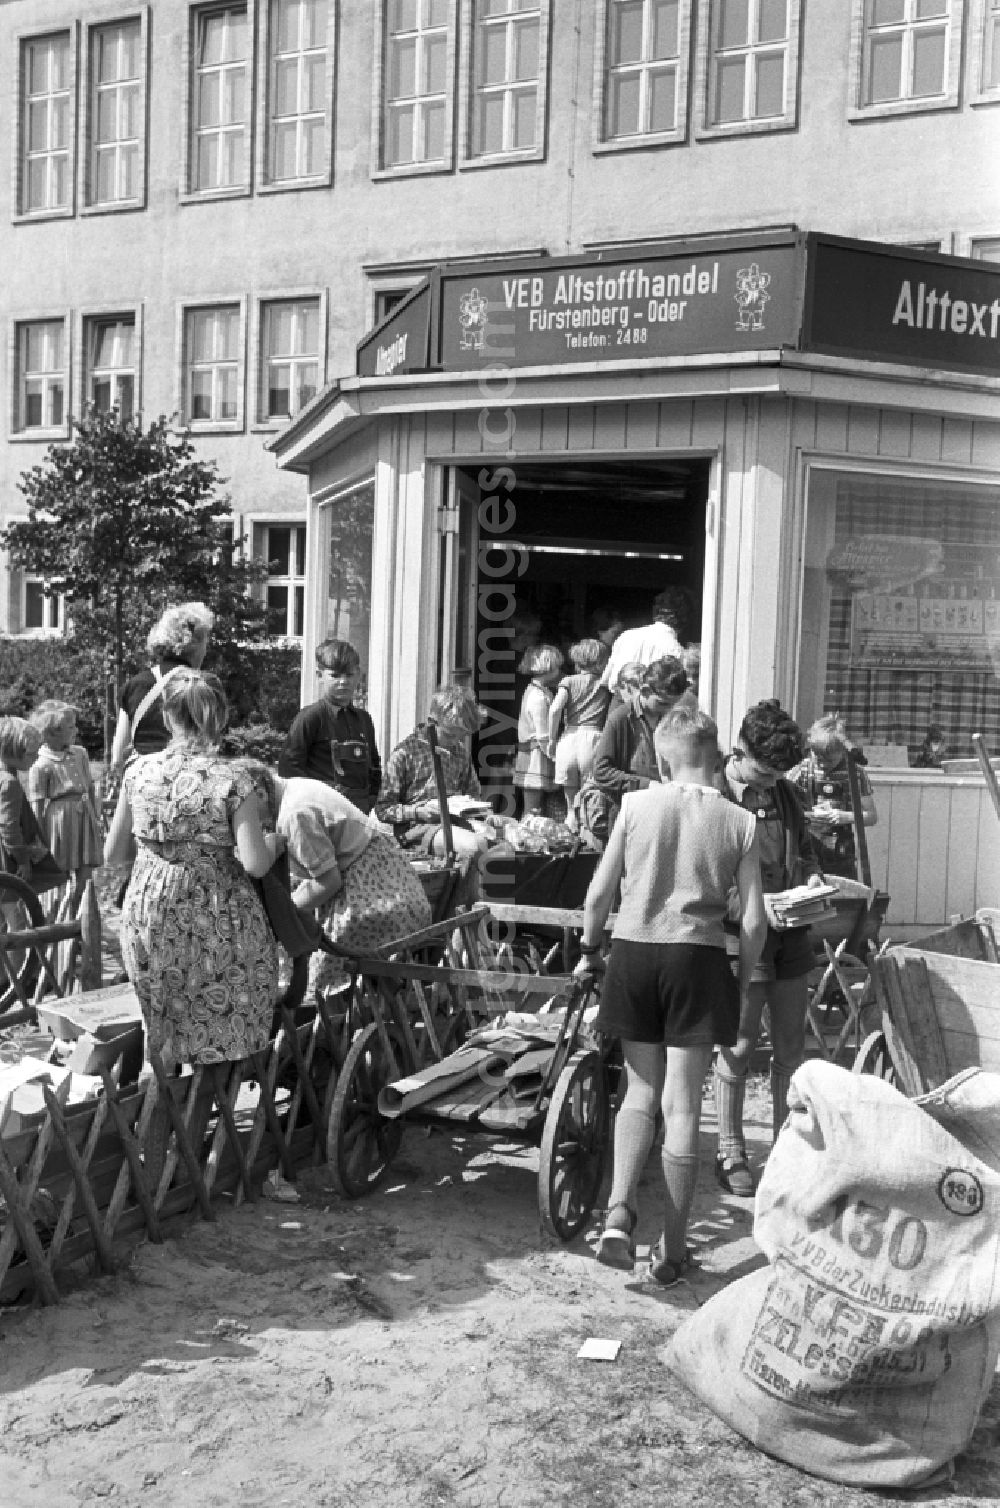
(332, 740)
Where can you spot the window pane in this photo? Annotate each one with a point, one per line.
(928, 63)
(993, 65)
(887, 12)
(624, 111)
(100, 393)
(201, 335)
(772, 21)
(38, 67)
(734, 23)
(308, 328)
(278, 393)
(106, 176)
(315, 82)
(403, 15)
(770, 85)
(305, 385)
(299, 626)
(314, 138)
(524, 118)
(526, 51)
(403, 69)
(400, 144)
(432, 147)
(208, 100)
(38, 126)
(236, 36)
(34, 605)
(314, 23)
(56, 403)
(928, 8)
(285, 16)
(626, 45)
(286, 86)
(235, 159)
(494, 63)
(212, 38)
(60, 119)
(436, 12)
(206, 169)
(126, 396)
(37, 184)
(277, 609)
(33, 405)
(279, 328)
(887, 58)
(300, 550)
(107, 116)
(662, 100)
(435, 59)
(729, 89)
(665, 38)
(285, 134)
(279, 545)
(201, 395)
(130, 51)
(130, 173)
(107, 57)
(235, 110)
(60, 189)
(227, 393)
(491, 123)
(229, 334)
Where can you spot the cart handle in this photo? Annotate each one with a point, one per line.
(854, 758)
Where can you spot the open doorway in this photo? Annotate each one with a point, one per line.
(596, 540)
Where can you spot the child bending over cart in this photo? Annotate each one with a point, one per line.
(677, 849)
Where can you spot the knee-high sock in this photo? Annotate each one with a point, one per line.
(730, 1089)
(634, 1131)
(680, 1175)
(781, 1077)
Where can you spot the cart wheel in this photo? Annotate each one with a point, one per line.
(874, 1057)
(24, 965)
(361, 1143)
(574, 1144)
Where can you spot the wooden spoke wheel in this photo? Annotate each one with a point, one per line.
(23, 965)
(574, 1146)
(361, 1143)
(874, 1057)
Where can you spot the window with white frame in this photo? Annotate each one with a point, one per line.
(40, 612)
(417, 69)
(46, 124)
(298, 124)
(115, 114)
(508, 76)
(109, 356)
(908, 54)
(219, 97)
(41, 374)
(212, 364)
(749, 75)
(645, 69)
(986, 43)
(283, 548)
(290, 356)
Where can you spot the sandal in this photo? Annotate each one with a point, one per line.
(734, 1175)
(616, 1243)
(665, 1272)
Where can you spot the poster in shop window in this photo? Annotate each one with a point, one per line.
(918, 604)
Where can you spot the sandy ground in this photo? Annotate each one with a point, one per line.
(416, 1348)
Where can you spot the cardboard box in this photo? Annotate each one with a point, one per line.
(104, 1014)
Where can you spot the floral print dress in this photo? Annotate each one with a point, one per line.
(196, 943)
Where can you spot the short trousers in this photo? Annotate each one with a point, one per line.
(680, 994)
(575, 754)
(786, 955)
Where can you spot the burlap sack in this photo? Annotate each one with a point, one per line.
(863, 1352)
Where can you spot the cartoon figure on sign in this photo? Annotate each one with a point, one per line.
(473, 313)
(751, 295)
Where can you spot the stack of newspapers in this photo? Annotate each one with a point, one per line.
(802, 904)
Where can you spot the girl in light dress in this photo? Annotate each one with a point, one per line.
(534, 771)
(62, 795)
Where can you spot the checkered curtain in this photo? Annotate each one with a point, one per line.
(897, 706)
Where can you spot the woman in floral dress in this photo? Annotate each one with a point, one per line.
(196, 943)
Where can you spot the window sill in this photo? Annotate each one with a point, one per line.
(126, 207)
(212, 196)
(296, 185)
(501, 160)
(901, 107)
(745, 128)
(979, 100)
(39, 436)
(270, 426)
(413, 170)
(639, 143)
(33, 217)
(210, 427)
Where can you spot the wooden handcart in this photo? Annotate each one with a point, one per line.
(548, 1089)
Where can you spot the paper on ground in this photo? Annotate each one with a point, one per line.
(595, 1349)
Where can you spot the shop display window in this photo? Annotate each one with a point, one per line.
(351, 521)
(900, 627)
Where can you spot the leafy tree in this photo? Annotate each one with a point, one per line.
(122, 522)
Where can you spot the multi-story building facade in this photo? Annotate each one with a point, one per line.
(208, 203)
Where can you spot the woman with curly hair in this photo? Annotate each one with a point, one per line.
(196, 942)
(178, 639)
(770, 744)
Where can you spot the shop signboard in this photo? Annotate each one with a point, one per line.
(400, 344)
(622, 307)
(889, 304)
